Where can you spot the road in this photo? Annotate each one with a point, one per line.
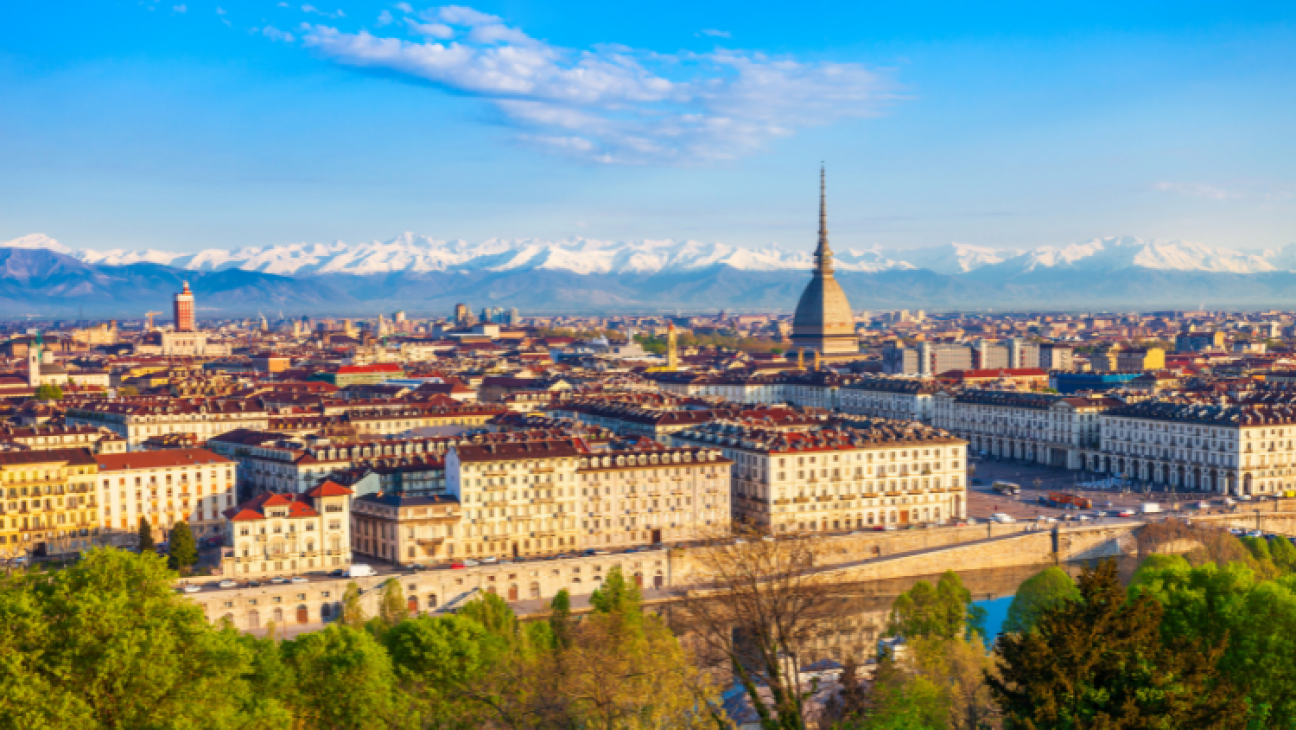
(1037, 480)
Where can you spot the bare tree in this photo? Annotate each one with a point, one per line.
(753, 606)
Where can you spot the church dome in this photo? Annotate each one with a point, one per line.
(823, 320)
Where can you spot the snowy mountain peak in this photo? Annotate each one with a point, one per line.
(411, 252)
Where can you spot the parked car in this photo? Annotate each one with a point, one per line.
(299, 579)
(278, 580)
(254, 584)
(359, 570)
(192, 588)
(1002, 518)
(456, 566)
(227, 583)
(471, 563)
(490, 559)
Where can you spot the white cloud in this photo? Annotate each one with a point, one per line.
(404, 7)
(459, 15)
(613, 104)
(384, 18)
(275, 34)
(316, 11)
(431, 30)
(1197, 190)
(220, 11)
(716, 33)
(180, 8)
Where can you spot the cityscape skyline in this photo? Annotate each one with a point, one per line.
(995, 128)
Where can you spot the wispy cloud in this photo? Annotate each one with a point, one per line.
(716, 33)
(404, 7)
(311, 9)
(275, 34)
(1197, 190)
(613, 104)
(384, 18)
(180, 8)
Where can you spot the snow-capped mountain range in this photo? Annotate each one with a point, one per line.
(410, 253)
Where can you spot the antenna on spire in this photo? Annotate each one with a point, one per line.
(823, 254)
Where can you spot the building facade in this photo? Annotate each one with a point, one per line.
(284, 534)
(163, 488)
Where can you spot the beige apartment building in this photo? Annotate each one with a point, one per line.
(164, 487)
(49, 504)
(406, 528)
(537, 498)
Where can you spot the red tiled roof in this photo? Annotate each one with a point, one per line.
(329, 488)
(158, 459)
(382, 367)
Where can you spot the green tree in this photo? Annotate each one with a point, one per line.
(903, 700)
(49, 391)
(619, 598)
(1283, 554)
(182, 551)
(108, 643)
(146, 544)
(392, 608)
(493, 614)
(1100, 662)
(442, 663)
(345, 680)
(1214, 604)
(1259, 548)
(943, 610)
(1037, 594)
(560, 619)
(353, 613)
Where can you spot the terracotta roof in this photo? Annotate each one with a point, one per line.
(159, 459)
(70, 456)
(329, 488)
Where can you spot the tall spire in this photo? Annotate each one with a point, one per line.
(823, 254)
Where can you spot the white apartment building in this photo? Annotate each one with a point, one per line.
(268, 462)
(653, 495)
(1041, 427)
(813, 389)
(164, 487)
(841, 477)
(138, 419)
(902, 399)
(283, 534)
(1233, 449)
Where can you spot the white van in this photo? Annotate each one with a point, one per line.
(359, 570)
(1151, 508)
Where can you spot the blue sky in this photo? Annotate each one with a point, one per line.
(189, 124)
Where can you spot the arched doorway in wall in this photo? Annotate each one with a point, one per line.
(254, 619)
(303, 615)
